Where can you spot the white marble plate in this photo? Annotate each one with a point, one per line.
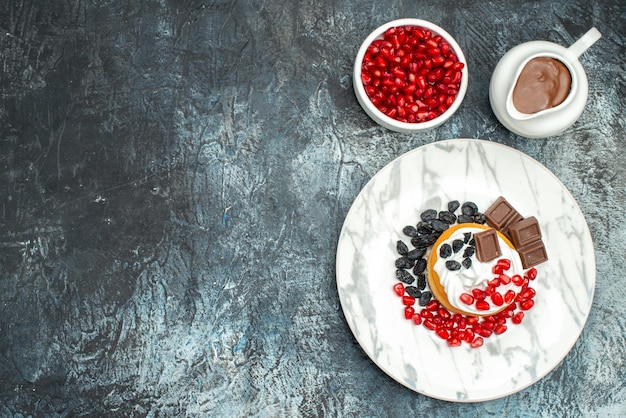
(429, 177)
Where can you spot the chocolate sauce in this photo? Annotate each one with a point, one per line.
(543, 84)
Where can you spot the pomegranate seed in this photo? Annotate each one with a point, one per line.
(443, 333)
(528, 293)
(399, 289)
(454, 342)
(444, 313)
(497, 299)
(408, 300)
(499, 329)
(497, 269)
(495, 282)
(469, 335)
(433, 305)
(471, 320)
(509, 296)
(408, 312)
(457, 66)
(504, 279)
(490, 290)
(483, 332)
(478, 294)
(432, 43)
(466, 298)
(526, 304)
(489, 318)
(488, 325)
(517, 318)
(430, 324)
(478, 341)
(517, 280)
(504, 262)
(426, 314)
(532, 273)
(461, 322)
(417, 319)
(482, 305)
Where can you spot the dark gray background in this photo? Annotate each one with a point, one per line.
(174, 177)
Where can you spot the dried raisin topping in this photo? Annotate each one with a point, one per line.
(416, 253)
(469, 208)
(467, 262)
(404, 276)
(420, 266)
(428, 215)
(402, 248)
(425, 297)
(439, 225)
(453, 206)
(447, 217)
(410, 231)
(453, 265)
(445, 250)
(413, 291)
(457, 244)
(404, 263)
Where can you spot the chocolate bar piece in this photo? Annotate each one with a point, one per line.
(501, 213)
(524, 232)
(487, 245)
(533, 254)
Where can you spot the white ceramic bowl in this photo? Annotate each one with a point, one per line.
(391, 123)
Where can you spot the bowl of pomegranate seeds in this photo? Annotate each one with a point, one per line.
(410, 75)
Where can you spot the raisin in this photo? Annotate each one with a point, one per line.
(465, 219)
(413, 291)
(425, 298)
(404, 263)
(439, 225)
(466, 237)
(472, 243)
(404, 276)
(422, 241)
(445, 250)
(402, 248)
(416, 253)
(428, 215)
(480, 218)
(469, 208)
(409, 231)
(457, 244)
(467, 262)
(453, 265)
(421, 281)
(424, 228)
(447, 217)
(420, 266)
(453, 205)
(469, 251)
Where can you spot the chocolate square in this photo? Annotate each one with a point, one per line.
(524, 232)
(501, 213)
(533, 254)
(487, 245)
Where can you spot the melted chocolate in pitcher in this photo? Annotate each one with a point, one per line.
(543, 84)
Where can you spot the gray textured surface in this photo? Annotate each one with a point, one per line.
(174, 178)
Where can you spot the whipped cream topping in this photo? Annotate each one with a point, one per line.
(478, 275)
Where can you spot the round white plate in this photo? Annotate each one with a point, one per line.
(430, 177)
